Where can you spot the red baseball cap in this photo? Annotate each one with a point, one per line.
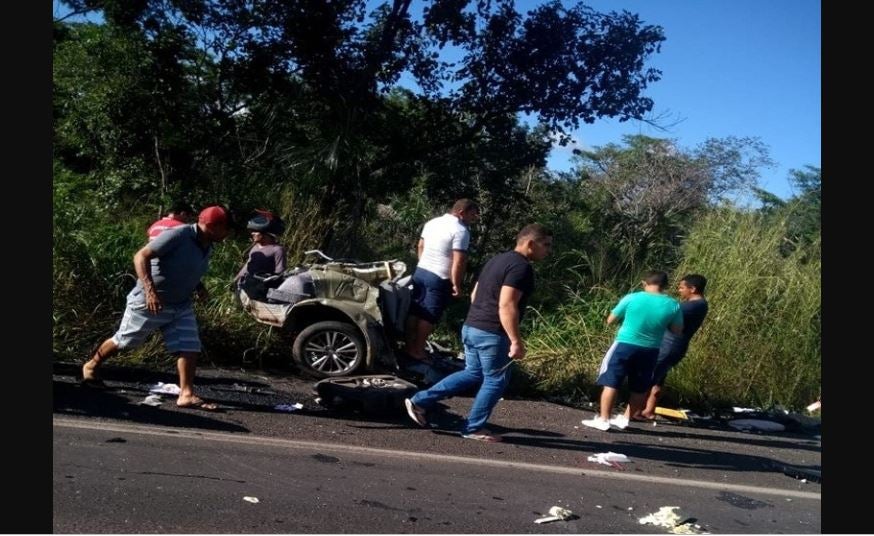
(213, 214)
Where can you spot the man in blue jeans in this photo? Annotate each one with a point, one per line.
(490, 333)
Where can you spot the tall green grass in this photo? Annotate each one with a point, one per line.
(760, 344)
(565, 346)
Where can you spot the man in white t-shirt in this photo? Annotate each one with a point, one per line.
(442, 252)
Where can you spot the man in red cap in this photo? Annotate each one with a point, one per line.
(169, 269)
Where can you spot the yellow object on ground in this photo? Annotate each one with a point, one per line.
(673, 413)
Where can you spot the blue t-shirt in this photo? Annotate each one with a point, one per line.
(694, 312)
(645, 316)
(177, 267)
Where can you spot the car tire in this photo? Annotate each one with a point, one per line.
(329, 349)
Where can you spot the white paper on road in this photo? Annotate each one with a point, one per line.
(288, 407)
(165, 388)
(253, 500)
(608, 458)
(152, 400)
(667, 518)
(556, 513)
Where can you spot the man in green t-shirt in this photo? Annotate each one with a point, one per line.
(644, 316)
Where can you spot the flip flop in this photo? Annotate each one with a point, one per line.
(201, 405)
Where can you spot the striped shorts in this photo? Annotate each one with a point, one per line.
(625, 360)
(176, 322)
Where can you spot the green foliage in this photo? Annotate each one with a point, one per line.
(566, 344)
(760, 343)
(91, 263)
(642, 196)
(296, 107)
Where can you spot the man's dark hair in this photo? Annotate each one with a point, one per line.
(695, 280)
(533, 231)
(463, 205)
(655, 277)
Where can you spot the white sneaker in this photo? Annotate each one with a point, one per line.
(415, 412)
(619, 421)
(599, 423)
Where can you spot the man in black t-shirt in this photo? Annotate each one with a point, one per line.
(490, 333)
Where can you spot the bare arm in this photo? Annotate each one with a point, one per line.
(142, 266)
(473, 293)
(611, 318)
(420, 247)
(456, 273)
(508, 312)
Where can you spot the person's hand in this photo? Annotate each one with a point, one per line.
(202, 294)
(456, 291)
(517, 350)
(153, 302)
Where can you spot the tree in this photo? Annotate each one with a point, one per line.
(643, 195)
(332, 64)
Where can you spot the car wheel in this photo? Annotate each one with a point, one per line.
(329, 349)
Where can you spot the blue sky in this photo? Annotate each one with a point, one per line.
(730, 68)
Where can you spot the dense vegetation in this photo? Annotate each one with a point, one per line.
(358, 126)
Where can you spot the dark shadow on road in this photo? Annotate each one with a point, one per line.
(237, 394)
(670, 456)
(772, 441)
(75, 399)
(137, 375)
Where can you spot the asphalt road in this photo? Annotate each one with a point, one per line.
(122, 467)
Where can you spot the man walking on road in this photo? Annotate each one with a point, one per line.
(442, 252)
(490, 333)
(169, 269)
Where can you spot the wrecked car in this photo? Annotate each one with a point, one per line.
(343, 316)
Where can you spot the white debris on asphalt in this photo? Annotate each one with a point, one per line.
(165, 388)
(556, 513)
(253, 500)
(288, 407)
(152, 400)
(609, 458)
(667, 518)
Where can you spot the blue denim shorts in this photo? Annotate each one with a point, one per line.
(635, 362)
(431, 295)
